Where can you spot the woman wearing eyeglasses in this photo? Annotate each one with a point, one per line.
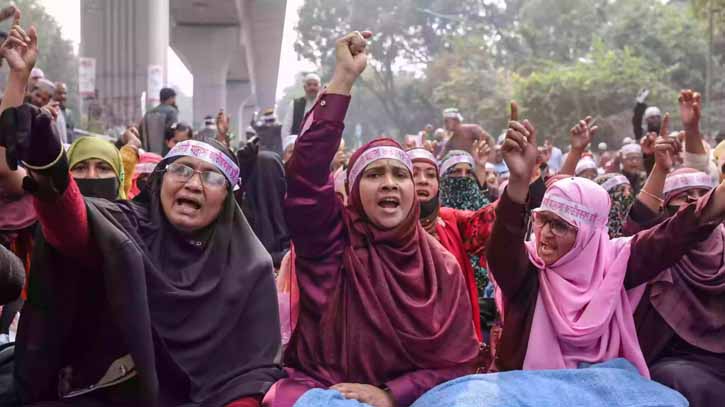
(681, 318)
(168, 299)
(569, 294)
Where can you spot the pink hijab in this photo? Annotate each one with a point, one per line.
(583, 313)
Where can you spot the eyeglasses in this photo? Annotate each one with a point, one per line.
(183, 173)
(558, 227)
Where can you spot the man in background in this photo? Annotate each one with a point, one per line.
(462, 136)
(300, 106)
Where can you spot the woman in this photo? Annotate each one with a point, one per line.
(556, 315)
(145, 302)
(142, 171)
(392, 303)
(97, 168)
(463, 233)
(263, 196)
(621, 197)
(460, 189)
(681, 318)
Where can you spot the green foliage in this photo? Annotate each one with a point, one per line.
(561, 59)
(56, 57)
(602, 85)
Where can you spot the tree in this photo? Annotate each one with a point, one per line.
(56, 58)
(602, 85)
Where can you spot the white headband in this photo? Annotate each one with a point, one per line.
(209, 154)
(422, 154)
(457, 159)
(572, 212)
(614, 182)
(375, 154)
(144, 168)
(585, 164)
(687, 180)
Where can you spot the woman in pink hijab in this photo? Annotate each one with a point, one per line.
(569, 295)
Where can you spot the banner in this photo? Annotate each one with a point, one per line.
(87, 77)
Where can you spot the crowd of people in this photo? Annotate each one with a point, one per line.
(453, 269)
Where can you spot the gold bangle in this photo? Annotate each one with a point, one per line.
(653, 196)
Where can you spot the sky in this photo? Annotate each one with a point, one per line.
(68, 15)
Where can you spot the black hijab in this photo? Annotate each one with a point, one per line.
(264, 195)
(198, 316)
(202, 297)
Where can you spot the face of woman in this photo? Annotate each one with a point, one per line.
(425, 176)
(554, 237)
(684, 198)
(194, 203)
(92, 169)
(387, 193)
(461, 170)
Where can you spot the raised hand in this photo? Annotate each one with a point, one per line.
(519, 152)
(481, 152)
(648, 143)
(222, 123)
(666, 147)
(350, 61)
(582, 134)
(690, 110)
(20, 49)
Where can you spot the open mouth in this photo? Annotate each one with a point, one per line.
(423, 193)
(389, 203)
(188, 203)
(546, 248)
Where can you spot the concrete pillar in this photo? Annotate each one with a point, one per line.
(237, 93)
(125, 37)
(248, 109)
(205, 51)
(262, 27)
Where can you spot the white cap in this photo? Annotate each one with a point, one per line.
(628, 149)
(586, 163)
(45, 85)
(602, 146)
(627, 140)
(452, 113)
(312, 77)
(652, 111)
(37, 73)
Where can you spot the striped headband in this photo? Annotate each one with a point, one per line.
(572, 212)
(207, 153)
(687, 180)
(375, 154)
(614, 182)
(422, 154)
(451, 161)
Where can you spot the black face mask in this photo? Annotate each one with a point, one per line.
(106, 188)
(428, 208)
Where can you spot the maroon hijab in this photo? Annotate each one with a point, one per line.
(405, 287)
(690, 296)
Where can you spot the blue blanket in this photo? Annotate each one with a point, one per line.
(611, 384)
(608, 384)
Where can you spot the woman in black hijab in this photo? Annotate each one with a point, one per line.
(263, 197)
(165, 300)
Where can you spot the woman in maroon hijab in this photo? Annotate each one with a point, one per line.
(384, 310)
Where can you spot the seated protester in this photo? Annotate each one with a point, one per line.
(146, 302)
(97, 168)
(463, 233)
(176, 133)
(142, 171)
(681, 318)
(621, 196)
(569, 295)
(263, 197)
(459, 185)
(586, 168)
(382, 303)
